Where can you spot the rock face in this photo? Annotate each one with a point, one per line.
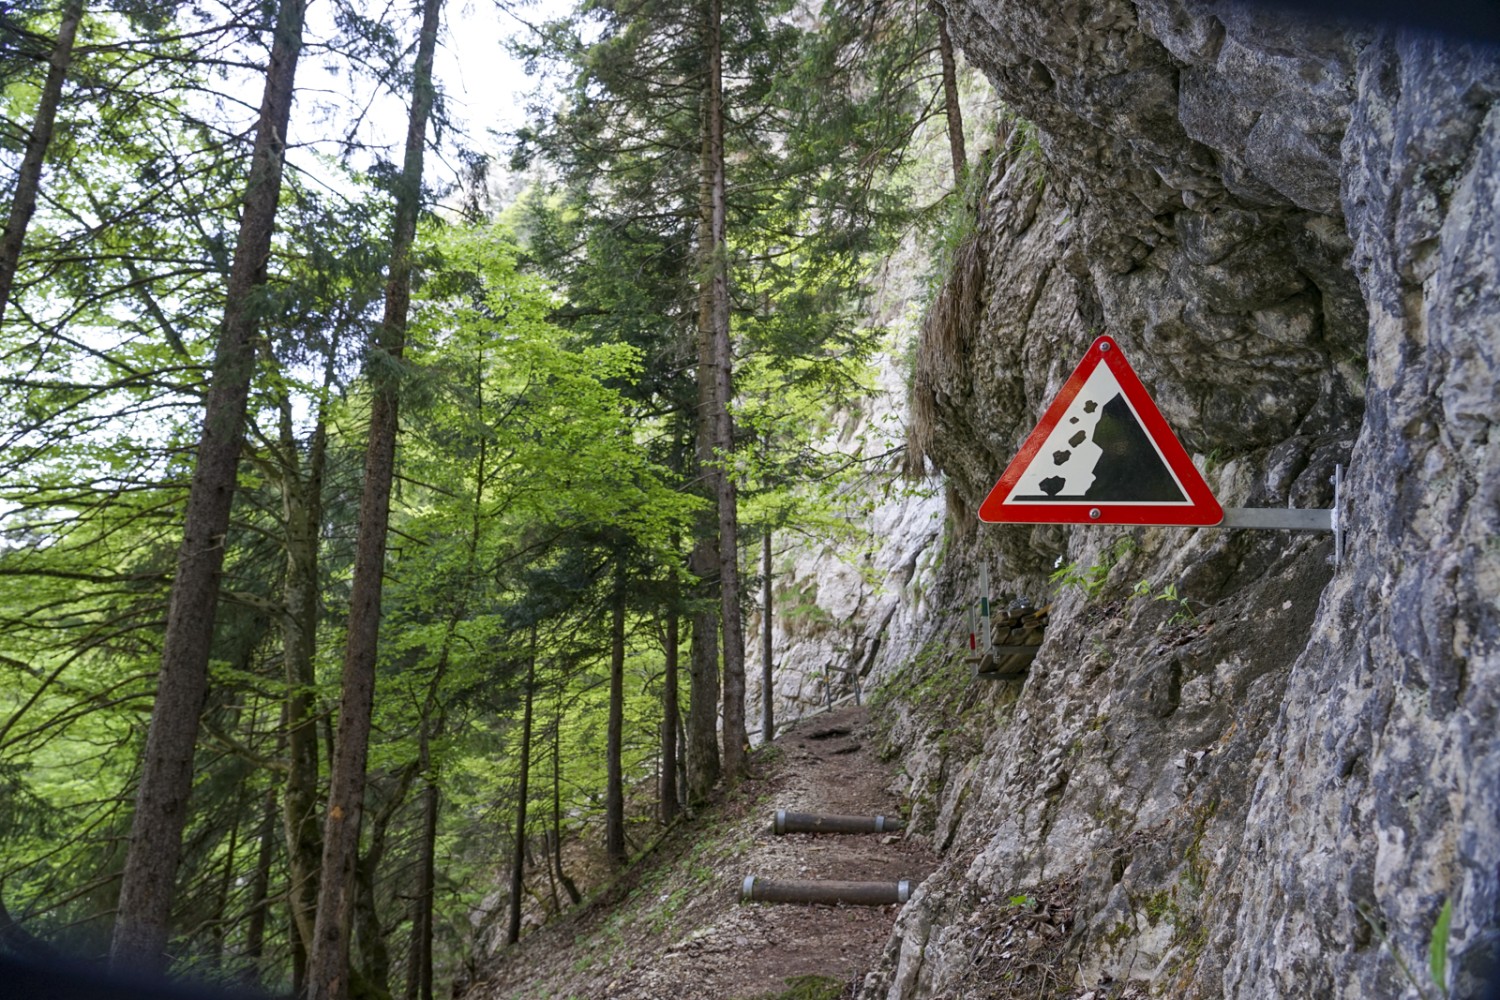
(840, 605)
(1233, 769)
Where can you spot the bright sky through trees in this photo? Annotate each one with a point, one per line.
(485, 89)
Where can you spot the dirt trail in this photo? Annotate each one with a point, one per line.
(674, 928)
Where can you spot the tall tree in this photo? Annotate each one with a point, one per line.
(953, 111)
(614, 795)
(666, 97)
(328, 977)
(28, 180)
(767, 689)
(717, 351)
(670, 718)
(146, 887)
(518, 853)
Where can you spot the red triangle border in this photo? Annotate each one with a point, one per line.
(1202, 508)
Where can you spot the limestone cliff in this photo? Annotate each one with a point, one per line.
(1234, 769)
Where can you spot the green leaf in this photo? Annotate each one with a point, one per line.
(1437, 949)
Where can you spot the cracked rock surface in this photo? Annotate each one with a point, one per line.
(1255, 774)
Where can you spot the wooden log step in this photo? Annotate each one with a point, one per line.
(795, 822)
(761, 890)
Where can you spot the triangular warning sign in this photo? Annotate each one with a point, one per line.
(1102, 454)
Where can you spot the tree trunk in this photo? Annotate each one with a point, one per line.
(328, 968)
(260, 885)
(373, 972)
(703, 703)
(713, 324)
(667, 790)
(682, 766)
(302, 505)
(950, 97)
(219, 930)
(518, 856)
(767, 711)
(703, 706)
(148, 882)
(574, 896)
(419, 961)
(29, 178)
(614, 794)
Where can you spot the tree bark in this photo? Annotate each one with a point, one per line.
(29, 178)
(155, 848)
(518, 855)
(260, 885)
(373, 972)
(954, 112)
(713, 324)
(667, 790)
(614, 794)
(226, 887)
(574, 896)
(767, 710)
(302, 507)
(703, 706)
(419, 961)
(328, 969)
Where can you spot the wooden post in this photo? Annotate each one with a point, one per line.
(759, 890)
(795, 822)
(984, 606)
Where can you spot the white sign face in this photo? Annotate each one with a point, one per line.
(1099, 453)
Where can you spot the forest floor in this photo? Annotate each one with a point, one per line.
(672, 926)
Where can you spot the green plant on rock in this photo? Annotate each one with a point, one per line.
(1182, 615)
(1091, 579)
(1437, 951)
(1437, 947)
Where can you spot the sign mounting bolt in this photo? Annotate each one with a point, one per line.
(1095, 513)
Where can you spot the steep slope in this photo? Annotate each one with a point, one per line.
(672, 926)
(1275, 783)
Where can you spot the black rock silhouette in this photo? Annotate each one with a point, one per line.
(1129, 470)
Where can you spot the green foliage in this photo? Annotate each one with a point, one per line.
(1092, 578)
(1089, 579)
(811, 988)
(546, 437)
(1438, 942)
(1183, 613)
(1437, 947)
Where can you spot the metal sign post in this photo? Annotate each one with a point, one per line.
(1290, 519)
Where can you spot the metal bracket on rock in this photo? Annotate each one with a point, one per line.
(1286, 519)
